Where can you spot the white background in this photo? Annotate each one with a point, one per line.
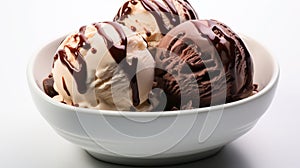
(28, 141)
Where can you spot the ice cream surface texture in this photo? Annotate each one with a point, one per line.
(209, 53)
(103, 66)
(154, 18)
(156, 55)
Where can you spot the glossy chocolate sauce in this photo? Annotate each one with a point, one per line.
(157, 9)
(48, 86)
(80, 74)
(83, 41)
(230, 50)
(189, 12)
(169, 10)
(123, 11)
(119, 52)
(133, 2)
(65, 86)
(154, 10)
(93, 50)
(54, 60)
(133, 28)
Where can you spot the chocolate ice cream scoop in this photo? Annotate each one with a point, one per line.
(204, 57)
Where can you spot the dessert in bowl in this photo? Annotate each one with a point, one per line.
(155, 138)
(155, 86)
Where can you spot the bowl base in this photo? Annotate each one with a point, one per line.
(154, 161)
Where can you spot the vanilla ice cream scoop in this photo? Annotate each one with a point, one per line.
(153, 19)
(103, 66)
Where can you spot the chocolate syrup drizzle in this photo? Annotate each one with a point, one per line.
(189, 12)
(229, 46)
(65, 86)
(119, 52)
(80, 74)
(156, 9)
(123, 11)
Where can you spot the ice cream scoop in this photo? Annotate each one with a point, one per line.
(209, 53)
(153, 19)
(103, 66)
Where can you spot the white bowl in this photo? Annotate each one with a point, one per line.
(155, 138)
